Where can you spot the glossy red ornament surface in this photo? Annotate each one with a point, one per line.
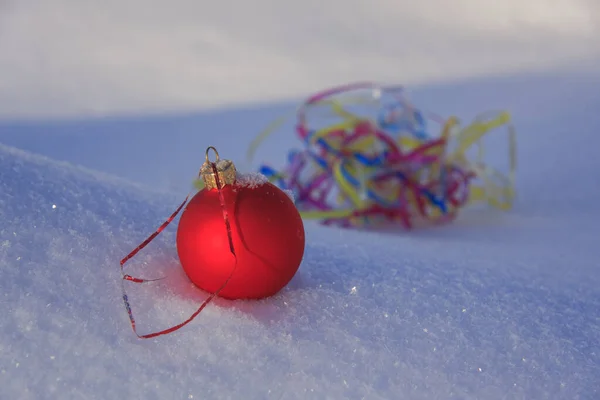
(268, 237)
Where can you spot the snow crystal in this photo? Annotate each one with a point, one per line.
(255, 179)
(251, 179)
(290, 195)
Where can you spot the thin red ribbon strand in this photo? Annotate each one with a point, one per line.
(126, 277)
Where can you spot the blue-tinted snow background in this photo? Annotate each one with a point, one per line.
(106, 109)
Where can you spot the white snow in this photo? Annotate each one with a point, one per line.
(494, 306)
(250, 179)
(290, 194)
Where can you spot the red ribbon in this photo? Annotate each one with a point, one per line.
(126, 277)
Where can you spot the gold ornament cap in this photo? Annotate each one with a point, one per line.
(225, 171)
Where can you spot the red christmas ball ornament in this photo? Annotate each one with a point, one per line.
(240, 235)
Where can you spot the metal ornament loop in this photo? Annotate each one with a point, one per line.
(216, 154)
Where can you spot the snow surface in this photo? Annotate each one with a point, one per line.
(494, 306)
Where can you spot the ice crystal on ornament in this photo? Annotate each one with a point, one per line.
(290, 195)
(250, 180)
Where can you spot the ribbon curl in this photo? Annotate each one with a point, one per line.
(379, 161)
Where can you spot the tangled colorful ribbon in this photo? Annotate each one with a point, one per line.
(386, 165)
